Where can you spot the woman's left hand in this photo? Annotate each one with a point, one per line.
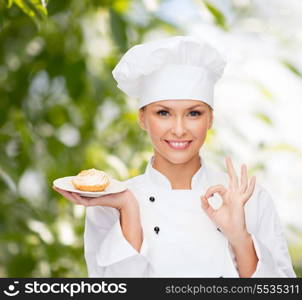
(229, 217)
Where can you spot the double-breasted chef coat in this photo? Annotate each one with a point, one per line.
(179, 239)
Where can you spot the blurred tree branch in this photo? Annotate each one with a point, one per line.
(35, 9)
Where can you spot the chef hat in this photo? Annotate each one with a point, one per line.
(178, 67)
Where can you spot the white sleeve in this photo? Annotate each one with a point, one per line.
(269, 242)
(107, 252)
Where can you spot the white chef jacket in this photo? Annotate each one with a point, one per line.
(179, 239)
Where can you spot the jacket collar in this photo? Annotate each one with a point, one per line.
(160, 180)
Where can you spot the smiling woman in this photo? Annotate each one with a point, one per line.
(177, 129)
(166, 224)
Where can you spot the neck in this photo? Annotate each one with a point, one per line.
(179, 175)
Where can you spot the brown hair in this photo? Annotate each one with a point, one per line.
(210, 107)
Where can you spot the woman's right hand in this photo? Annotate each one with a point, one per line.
(119, 200)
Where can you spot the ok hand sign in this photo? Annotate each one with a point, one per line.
(229, 217)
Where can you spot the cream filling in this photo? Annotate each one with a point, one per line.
(92, 178)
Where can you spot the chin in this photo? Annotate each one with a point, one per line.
(178, 158)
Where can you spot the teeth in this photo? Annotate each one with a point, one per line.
(178, 145)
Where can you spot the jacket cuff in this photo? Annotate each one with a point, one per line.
(266, 266)
(116, 248)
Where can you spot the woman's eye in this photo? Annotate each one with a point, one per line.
(195, 113)
(162, 112)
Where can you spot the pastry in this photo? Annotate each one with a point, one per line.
(91, 180)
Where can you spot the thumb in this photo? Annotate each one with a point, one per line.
(206, 206)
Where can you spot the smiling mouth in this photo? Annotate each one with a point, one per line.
(178, 145)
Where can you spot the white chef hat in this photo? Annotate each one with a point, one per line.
(178, 67)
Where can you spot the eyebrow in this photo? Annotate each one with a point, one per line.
(202, 105)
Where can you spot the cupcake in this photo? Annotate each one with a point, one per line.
(91, 180)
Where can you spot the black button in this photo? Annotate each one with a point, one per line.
(156, 229)
(152, 199)
(218, 229)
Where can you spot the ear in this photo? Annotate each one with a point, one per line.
(141, 119)
(211, 119)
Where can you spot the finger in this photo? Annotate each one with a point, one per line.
(68, 195)
(58, 189)
(80, 200)
(93, 201)
(206, 206)
(219, 188)
(80, 197)
(62, 192)
(106, 200)
(244, 178)
(250, 188)
(97, 201)
(232, 173)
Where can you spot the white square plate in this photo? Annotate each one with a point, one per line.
(64, 183)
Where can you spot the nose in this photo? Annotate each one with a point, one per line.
(178, 127)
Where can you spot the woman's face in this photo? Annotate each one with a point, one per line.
(177, 128)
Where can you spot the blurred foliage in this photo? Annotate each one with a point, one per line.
(33, 8)
(218, 16)
(60, 112)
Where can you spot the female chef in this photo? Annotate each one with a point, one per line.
(181, 218)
